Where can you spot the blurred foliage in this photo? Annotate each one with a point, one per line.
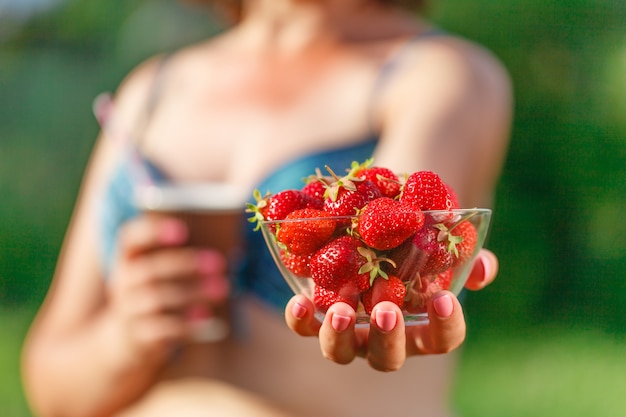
(557, 226)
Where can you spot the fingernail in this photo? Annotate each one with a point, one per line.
(487, 267)
(340, 323)
(443, 305)
(198, 312)
(385, 320)
(298, 310)
(216, 287)
(209, 263)
(173, 232)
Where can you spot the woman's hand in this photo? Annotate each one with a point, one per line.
(158, 283)
(387, 343)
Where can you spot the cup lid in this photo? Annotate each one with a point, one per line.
(206, 196)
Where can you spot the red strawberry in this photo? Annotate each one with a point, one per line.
(447, 244)
(315, 189)
(278, 206)
(297, 264)
(341, 261)
(350, 197)
(453, 197)
(349, 194)
(303, 237)
(287, 201)
(385, 223)
(409, 261)
(467, 231)
(384, 289)
(316, 185)
(424, 288)
(426, 191)
(384, 178)
(439, 255)
(444, 279)
(323, 298)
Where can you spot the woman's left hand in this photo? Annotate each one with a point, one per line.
(388, 342)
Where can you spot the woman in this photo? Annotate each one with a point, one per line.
(292, 80)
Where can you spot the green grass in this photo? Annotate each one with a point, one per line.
(13, 326)
(547, 372)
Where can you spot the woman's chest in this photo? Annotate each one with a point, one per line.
(220, 133)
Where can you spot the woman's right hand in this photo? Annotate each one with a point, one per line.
(156, 284)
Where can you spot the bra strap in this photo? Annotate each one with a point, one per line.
(152, 99)
(390, 66)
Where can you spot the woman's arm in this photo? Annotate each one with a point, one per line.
(95, 346)
(448, 110)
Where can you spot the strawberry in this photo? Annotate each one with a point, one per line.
(447, 244)
(307, 235)
(315, 185)
(384, 178)
(287, 201)
(297, 264)
(323, 298)
(427, 191)
(443, 279)
(424, 288)
(385, 223)
(409, 260)
(453, 197)
(350, 197)
(341, 261)
(315, 189)
(278, 206)
(348, 201)
(438, 256)
(467, 231)
(347, 195)
(384, 289)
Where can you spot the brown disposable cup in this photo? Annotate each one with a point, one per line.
(213, 215)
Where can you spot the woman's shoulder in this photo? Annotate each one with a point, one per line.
(442, 73)
(130, 97)
(154, 74)
(451, 62)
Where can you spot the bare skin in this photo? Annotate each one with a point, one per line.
(298, 74)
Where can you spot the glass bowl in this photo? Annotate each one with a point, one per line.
(346, 264)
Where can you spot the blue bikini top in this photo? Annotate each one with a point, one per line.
(256, 272)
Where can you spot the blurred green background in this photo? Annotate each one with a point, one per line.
(546, 339)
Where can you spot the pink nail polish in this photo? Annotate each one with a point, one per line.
(210, 263)
(173, 232)
(298, 310)
(487, 267)
(443, 306)
(385, 320)
(340, 323)
(216, 287)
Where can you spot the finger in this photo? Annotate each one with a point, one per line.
(169, 280)
(162, 299)
(484, 271)
(300, 317)
(387, 340)
(176, 264)
(445, 330)
(161, 334)
(215, 288)
(145, 233)
(337, 334)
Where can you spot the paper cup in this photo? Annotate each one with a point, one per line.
(213, 213)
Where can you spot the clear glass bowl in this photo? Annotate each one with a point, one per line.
(425, 262)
